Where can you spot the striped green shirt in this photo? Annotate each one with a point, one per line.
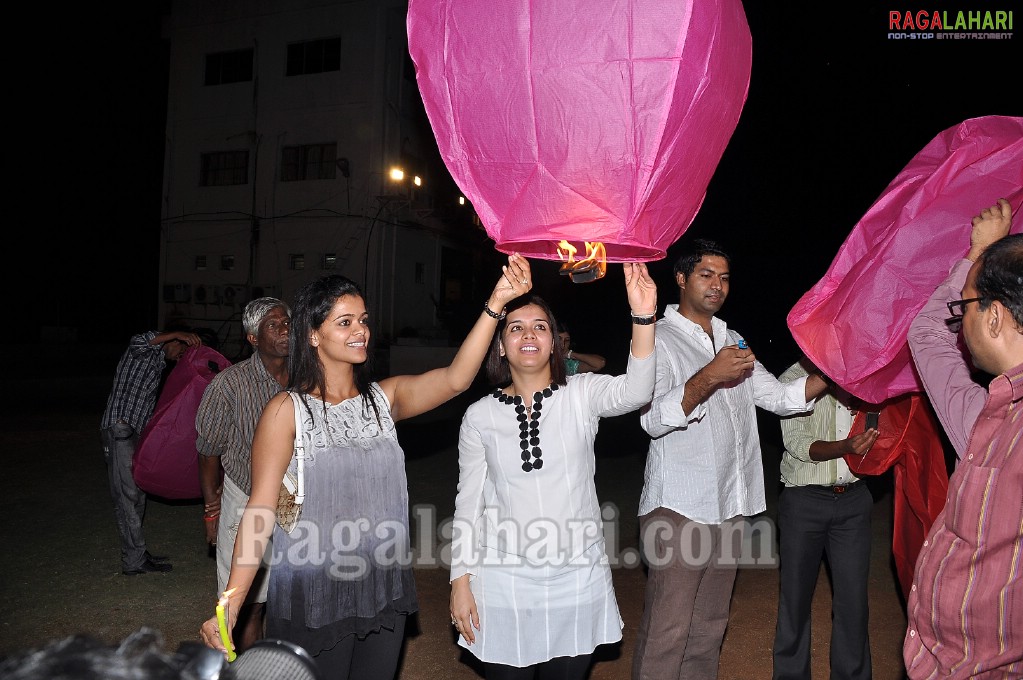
(800, 431)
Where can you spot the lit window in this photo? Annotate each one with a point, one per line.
(297, 261)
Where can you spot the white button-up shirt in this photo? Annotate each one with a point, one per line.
(706, 465)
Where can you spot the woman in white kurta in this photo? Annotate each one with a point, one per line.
(531, 592)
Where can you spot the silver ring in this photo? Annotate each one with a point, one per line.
(523, 281)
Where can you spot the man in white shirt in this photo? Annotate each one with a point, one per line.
(704, 472)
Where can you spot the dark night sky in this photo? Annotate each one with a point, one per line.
(835, 110)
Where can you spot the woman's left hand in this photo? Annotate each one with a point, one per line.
(641, 289)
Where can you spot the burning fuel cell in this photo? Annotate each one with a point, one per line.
(590, 268)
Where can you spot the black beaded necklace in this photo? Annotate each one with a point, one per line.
(529, 425)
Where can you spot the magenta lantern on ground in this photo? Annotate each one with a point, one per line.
(597, 121)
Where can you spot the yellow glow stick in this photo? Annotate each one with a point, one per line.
(222, 604)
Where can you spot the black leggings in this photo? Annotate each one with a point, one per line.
(374, 657)
(560, 668)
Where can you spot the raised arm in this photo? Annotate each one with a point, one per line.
(642, 293)
(990, 225)
(957, 399)
(411, 395)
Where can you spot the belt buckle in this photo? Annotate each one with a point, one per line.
(836, 488)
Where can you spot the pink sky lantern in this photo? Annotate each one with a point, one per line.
(854, 322)
(599, 121)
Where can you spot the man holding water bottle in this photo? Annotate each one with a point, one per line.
(704, 473)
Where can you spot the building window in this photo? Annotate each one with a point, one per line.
(229, 67)
(297, 261)
(227, 263)
(314, 56)
(329, 261)
(310, 161)
(200, 263)
(223, 168)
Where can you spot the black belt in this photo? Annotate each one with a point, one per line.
(837, 488)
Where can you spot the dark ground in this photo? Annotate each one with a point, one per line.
(61, 573)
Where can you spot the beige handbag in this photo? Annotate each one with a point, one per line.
(292, 493)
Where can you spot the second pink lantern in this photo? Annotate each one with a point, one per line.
(582, 121)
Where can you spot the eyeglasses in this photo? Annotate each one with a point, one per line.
(958, 307)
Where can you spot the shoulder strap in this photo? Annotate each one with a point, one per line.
(299, 452)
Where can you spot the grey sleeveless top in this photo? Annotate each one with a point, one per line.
(346, 567)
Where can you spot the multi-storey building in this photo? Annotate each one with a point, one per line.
(285, 120)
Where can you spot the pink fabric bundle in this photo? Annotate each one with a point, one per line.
(166, 462)
(853, 323)
(600, 120)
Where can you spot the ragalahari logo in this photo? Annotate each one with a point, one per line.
(927, 24)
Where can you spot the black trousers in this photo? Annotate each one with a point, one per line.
(374, 657)
(560, 668)
(814, 522)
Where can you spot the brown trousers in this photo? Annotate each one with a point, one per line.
(688, 594)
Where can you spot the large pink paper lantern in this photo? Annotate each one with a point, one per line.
(600, 120)
(854, 322)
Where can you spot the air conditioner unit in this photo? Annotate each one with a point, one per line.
(177, 292)
(206, 295)
(234, 295)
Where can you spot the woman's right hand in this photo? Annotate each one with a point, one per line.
(209, 632)
(464, 616)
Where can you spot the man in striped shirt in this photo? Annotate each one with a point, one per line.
(965, 608)
(225, 424)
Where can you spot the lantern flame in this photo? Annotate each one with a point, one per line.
(590, 268)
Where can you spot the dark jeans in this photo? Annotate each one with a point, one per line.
(815, 521)
(119, 442)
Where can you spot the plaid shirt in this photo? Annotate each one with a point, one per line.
(228, 414)
(136, 383)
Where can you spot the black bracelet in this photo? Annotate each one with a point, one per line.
(644, 320)
(491, 313)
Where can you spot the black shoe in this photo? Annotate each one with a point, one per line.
(149, 566)
(156, 558)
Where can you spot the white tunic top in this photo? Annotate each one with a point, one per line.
(533, 541)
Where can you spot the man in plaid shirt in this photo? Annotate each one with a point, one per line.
(129, 407)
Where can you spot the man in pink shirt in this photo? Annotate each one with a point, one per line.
(966, 604)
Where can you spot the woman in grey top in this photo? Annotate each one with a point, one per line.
(341, 583)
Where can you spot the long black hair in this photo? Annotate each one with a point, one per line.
(498, 372)
(305, 370)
